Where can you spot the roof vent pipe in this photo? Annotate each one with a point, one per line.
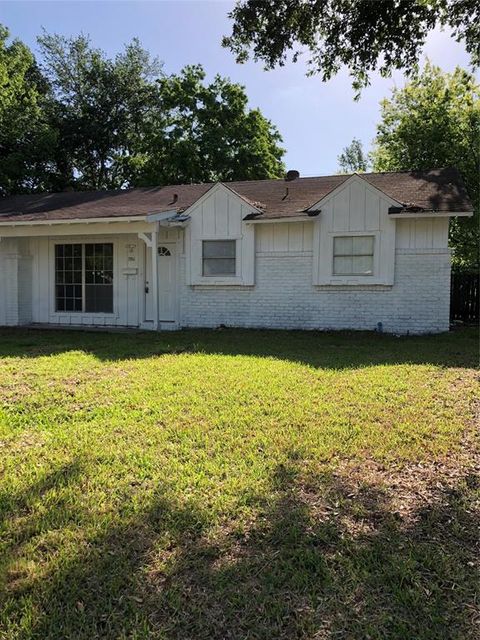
(293, 174)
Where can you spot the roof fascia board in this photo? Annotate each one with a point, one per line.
(34, 223)
(355, 177)
(303, 218)
(431, 214)
(161, 215)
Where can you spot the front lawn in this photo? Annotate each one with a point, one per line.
(238, 484)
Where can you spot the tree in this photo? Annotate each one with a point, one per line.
(121, 122)
(205, 132)
(99, 109)
(26, 138)
(434, 121)
(353, 158)
(360, 34)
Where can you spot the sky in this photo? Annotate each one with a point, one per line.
(317, 120)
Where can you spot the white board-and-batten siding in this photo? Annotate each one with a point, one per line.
(41, 279)
(284, 269)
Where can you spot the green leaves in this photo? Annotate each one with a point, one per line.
(434, 121)
(25, 134)
(86, 121)
(206, 133)
(362, 35)
(353, 159)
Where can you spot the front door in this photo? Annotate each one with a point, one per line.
(166, 282)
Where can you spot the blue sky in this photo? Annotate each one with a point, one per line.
(315, 119)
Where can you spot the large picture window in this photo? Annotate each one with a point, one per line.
(353, 255)
(84, 277)
(218, 257)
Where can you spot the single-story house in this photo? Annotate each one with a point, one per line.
(361, 251)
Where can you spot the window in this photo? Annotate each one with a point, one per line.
(84, 277)
(353, 255)
(218, 257)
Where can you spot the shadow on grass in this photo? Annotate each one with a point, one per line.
(322, 559)
(329, 350)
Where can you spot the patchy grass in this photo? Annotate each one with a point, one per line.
(238, 484)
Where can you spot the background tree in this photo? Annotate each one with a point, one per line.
(361, 34)
(205, 132)
(100, 108)
(434, 121)
(122, 122)
(353, 158)
(26, 139)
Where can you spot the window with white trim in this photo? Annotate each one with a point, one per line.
(353, 255)
(218, 258)
(84, 277)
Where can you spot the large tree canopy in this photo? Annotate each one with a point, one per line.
(100, 108)
(205, 132)
(434, 121)
(363, 35)
(80, 119)
(25, 136)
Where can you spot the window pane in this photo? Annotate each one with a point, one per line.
(68, 265)
(219, 248)
(342, 246)
(98, 277)
(363, 246)
(219, 267)
(99, 298)
(362, 265)
(342, 266)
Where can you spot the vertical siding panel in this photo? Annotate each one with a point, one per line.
(295, 236)
(221, 214)
(307, 236)
(357, 207)
(280, 237)
(421, 234)
(372, 211)
(340, 209)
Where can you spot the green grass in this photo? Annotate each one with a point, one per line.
(238, 484)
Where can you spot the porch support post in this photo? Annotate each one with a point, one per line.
(154, 249)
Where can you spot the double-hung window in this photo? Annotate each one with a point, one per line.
(218, 258)
(353, 255)
(84, 277)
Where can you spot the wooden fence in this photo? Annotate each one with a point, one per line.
(464, 297)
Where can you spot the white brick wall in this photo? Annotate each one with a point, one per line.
(284, 297)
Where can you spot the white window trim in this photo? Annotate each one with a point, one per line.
(244, 260)
(53, 313)
(220, 276)
(354, 235)
(355, 278)
(325, 257)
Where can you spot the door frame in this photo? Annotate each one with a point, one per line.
(172, 245)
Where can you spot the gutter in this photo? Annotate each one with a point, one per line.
(31, 223)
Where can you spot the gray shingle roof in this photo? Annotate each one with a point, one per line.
(439, 190)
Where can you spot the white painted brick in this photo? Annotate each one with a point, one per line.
(283, 297)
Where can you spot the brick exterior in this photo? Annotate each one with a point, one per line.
(284, 298)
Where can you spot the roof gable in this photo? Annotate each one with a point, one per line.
(221, 186)
(352, 179)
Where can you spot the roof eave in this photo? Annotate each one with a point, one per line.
(430, 214)
(105, 220)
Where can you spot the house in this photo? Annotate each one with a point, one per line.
(361, 251)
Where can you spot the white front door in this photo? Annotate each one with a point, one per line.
(166, 282)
